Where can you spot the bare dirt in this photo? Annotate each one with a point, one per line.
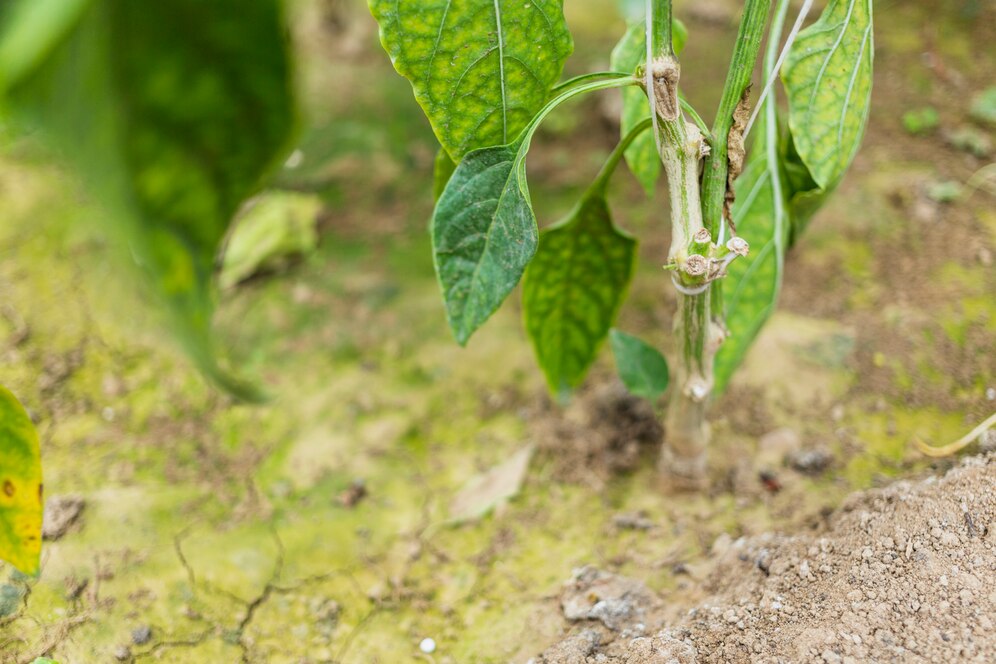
(901, 574)
(602, 433)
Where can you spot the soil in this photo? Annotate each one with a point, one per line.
(901, 574)
(602, 433)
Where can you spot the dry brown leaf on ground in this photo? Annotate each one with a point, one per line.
(491, 489)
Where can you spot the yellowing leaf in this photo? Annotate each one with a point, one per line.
(491, 489)
(828, 77)
(20, 486)
(481, 69)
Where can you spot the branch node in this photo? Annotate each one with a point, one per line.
(665, 72)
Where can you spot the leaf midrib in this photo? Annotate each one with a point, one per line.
(501, 71)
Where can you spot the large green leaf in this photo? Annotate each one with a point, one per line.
(641, 367)
(483, 228)
(828, 78)
(20, 486)
(629, 53)
(480, 69)
(573, 289)
(172, 112)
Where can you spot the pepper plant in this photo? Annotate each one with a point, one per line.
(172, 113)
(486, 73)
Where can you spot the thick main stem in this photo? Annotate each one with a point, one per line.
(695, 223)
(683, 456)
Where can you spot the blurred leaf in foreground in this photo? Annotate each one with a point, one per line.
(171, 112)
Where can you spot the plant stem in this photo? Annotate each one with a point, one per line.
(661, 28)
(680, 144)
(605, 174)
(683, 456)
(714, 175)
(738, 77)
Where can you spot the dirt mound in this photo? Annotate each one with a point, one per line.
(901, 574)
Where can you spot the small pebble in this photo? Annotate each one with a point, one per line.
(141, 635)
(428, 646)
(811, 461)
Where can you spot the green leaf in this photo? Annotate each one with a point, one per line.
(442, 171)
(983, 106)
(172, 112)
(629, 53)
(761, 216)
(641, 367)
(278, 227)
(828, 78)
(804, 196)
(573, 289)
(483, 235)
(30, 29)
(483, 228)
(20, 486)
(480, 69)
(754, 282)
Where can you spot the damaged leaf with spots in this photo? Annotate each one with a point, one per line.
(170, 175)
(480, 69)
(483, 235)
(20, 486)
